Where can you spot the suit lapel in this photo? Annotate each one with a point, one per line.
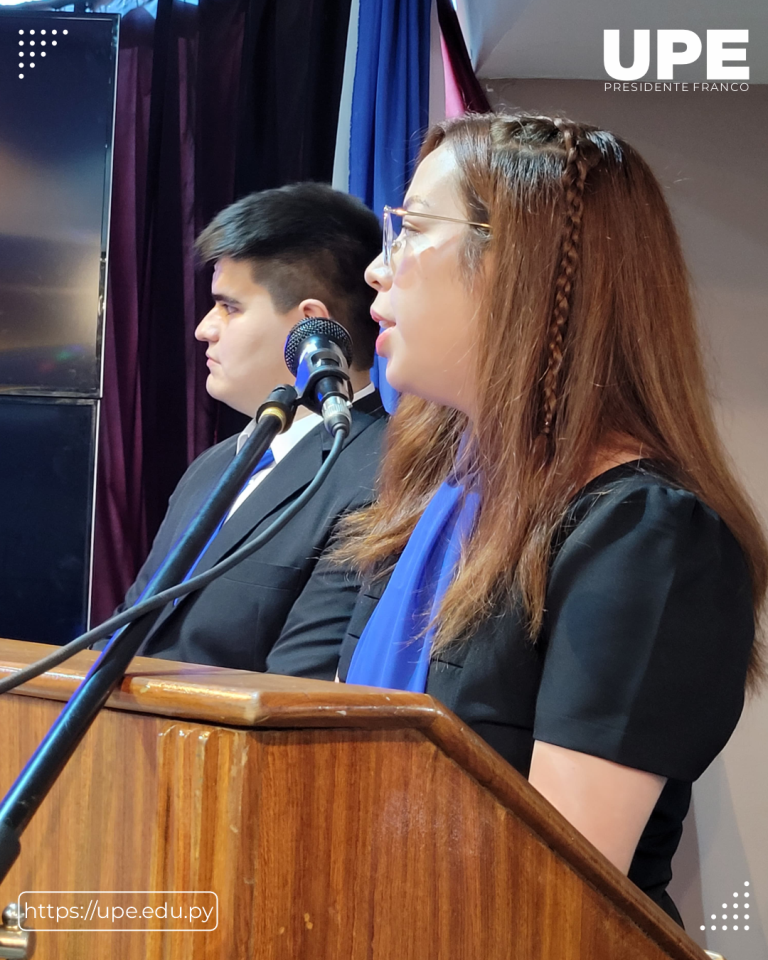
(285, 482)
(196, 494)
(306, 459)
(279, 487)
(282, 485)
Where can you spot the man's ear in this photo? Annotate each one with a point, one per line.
(314, 308)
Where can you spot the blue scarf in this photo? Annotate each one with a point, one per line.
(394, 649)
(389, 396)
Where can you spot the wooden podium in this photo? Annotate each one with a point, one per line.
(333, 822)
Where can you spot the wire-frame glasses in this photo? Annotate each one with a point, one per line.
(390, 239)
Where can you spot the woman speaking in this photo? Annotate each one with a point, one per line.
(559, 552)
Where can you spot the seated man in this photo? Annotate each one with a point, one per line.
(280, 256)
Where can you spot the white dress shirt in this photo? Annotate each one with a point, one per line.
(283, 444)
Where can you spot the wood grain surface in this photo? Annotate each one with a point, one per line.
(331, 821)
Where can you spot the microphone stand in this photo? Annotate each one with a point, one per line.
(50, 758)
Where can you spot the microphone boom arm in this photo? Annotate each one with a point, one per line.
(51, 756)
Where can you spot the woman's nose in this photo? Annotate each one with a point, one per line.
(377, 274)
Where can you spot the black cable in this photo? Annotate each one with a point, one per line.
(180, 590)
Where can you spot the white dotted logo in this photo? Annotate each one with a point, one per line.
(33, 44)
(742, 916)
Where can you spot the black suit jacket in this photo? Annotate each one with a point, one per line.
(283, 609)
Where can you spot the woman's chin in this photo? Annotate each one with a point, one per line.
(414, 386)
(404, 385)
(394, 379)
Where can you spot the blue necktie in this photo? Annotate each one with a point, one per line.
(266, 461)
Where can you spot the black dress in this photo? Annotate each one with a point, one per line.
(641, 660)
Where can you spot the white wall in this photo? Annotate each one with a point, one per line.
(710, 151)
(562, 39)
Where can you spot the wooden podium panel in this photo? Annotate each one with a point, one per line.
(333, 822)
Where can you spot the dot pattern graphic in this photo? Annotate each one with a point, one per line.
(26, 41)
(735, 916)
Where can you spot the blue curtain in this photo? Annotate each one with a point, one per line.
(390, 112)
(390, 100)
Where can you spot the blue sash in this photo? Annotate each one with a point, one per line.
(394, 649)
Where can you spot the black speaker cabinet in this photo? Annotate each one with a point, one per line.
(57, 101)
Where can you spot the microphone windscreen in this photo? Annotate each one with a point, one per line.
(313, 327)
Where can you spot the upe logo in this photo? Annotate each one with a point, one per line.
(677, 47)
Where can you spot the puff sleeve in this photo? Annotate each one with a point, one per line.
(648, 631)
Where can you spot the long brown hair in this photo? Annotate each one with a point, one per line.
(586, 336)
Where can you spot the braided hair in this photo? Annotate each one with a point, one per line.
(579, 160)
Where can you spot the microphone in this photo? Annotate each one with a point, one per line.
(318, 353)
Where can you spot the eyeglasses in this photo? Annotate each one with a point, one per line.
(391, 241)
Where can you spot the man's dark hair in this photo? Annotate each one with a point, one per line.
(305, 240)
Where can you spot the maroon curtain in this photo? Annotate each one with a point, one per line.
(472, 92)
(213, 101)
